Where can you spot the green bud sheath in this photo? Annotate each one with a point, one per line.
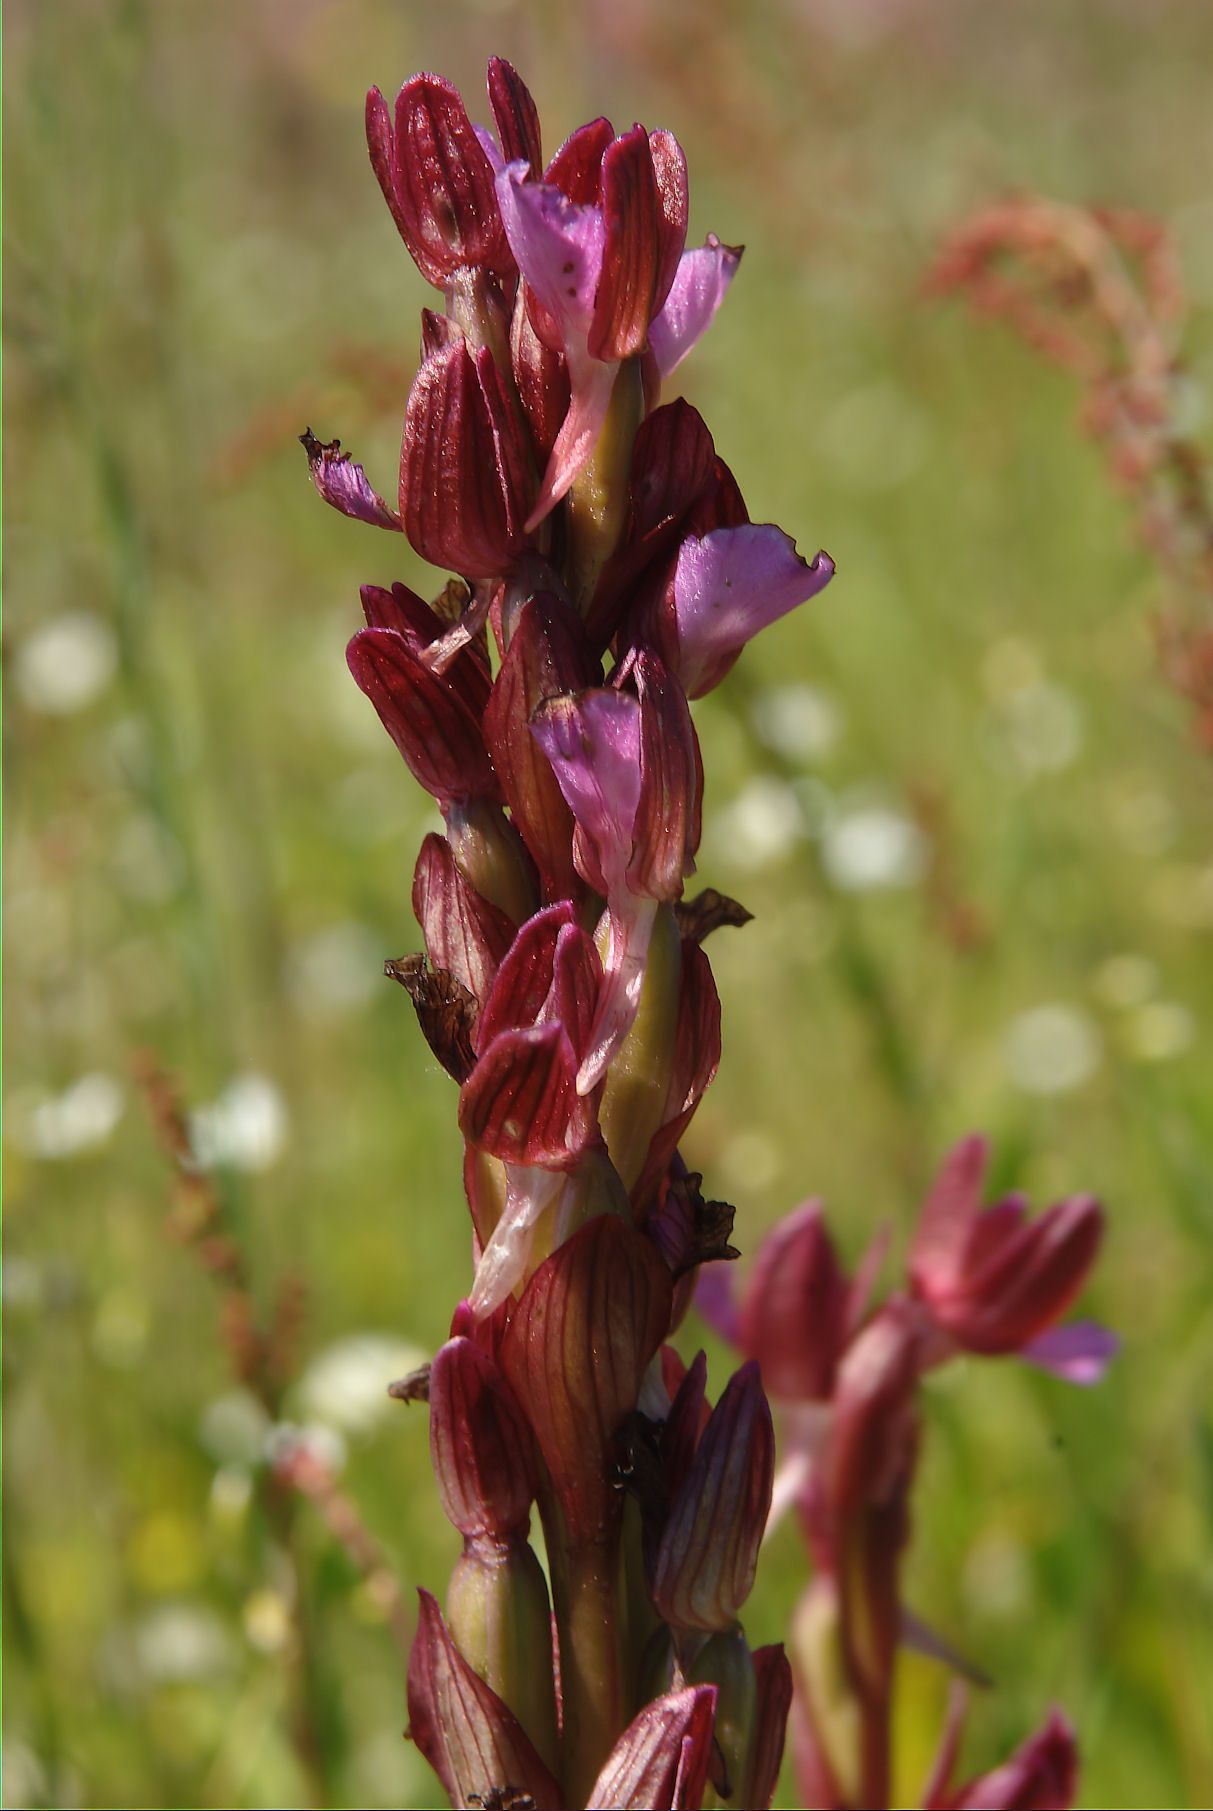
(498, 1612)
(636, 1088)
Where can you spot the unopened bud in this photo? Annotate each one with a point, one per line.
(725, 1661)
(705, 1564)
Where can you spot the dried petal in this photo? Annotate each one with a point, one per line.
(446, 1012)
(342, 482)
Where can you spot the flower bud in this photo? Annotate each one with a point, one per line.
(437, 180)
(584, 1330)
(425, 716)
(490, 853)
(725, 1661)
(704, 1567)
(480, 1445)
(993, 1280)
(465, 475)
(794, 1310)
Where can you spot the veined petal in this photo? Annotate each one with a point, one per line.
(515, 114)
(704, 1568)
(696, 293)
(471, 1739)
(427, 718)
(729, 585)
(631, 212)
(661, 1759)
(547, 654)
(577, 1347)
(480, 1444)
(670, 169)
(521, 1102)
(445, 205)
(774, 1679)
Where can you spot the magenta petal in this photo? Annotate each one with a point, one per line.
(1079, 1352)
(696, 293)
(342, 482)
(558, 246)
(593, 744)
(731, 584)
(592, 384)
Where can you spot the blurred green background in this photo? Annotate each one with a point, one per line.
(210, 843)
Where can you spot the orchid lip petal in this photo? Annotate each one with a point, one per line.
(558, 245)
(592, 386)
(503, 1262)
(593, 744)
(1078, 1352)
(731, 583)
(698, 289)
